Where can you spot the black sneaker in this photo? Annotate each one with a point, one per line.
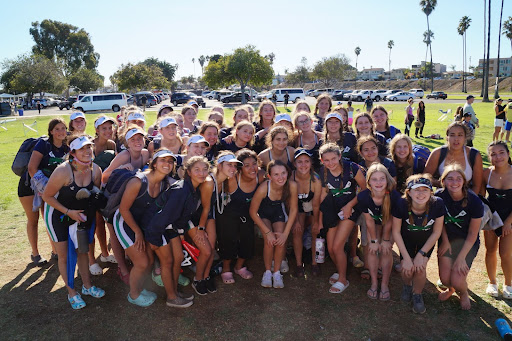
(406, 295)
(38, 260)
(210, 284)
(418, 306)
(200, 287)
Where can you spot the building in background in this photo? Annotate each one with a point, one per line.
(505, 67)
(371, 74)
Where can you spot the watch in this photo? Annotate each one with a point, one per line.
(423, 253)
(374, 241)
(201, 228)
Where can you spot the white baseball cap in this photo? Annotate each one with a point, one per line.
(283, 117)
(136, 116)
(228, 158)
(79, 142)
(334, 115)
(197, 139)
(166, 121)
(132, 132)
(102, 120)
(76, 115)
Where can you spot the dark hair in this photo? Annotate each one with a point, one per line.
(192, 161)
(273, 133)
(246, 153)
(342, 129)
(409, 200)
(51, 125)
(457, 124)
(286, 187)
(70, 139)
(319, 99)
(153, 161)
(361, 141)
(369, 117)
(209, 124)
(500, 143)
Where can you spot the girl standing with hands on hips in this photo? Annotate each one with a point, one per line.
(417, 224)
(268, 209)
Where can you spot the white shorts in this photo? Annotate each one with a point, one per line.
(499, 122)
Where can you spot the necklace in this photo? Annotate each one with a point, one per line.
(220, 205)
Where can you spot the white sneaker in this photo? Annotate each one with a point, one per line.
(108, 259)
(492, 290)
(507, 291)
(266, 281)
(278, 280)
(284, 266)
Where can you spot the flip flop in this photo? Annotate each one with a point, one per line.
(244, 273)
(372, 293)
(384, 295)
(338, 288)
(227, 277)
(334, 278)
(365, 274)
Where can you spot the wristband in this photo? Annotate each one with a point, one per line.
(423, 253)
(201, 228)
(268, 232)
(374, 241)
(67, 212)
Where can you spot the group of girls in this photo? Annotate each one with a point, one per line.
(209, 184)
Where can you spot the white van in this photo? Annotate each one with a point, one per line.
(112, 102)
(418, 93)
(296, 94)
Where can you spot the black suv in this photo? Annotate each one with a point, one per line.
(236, 97)
(68, 104)
(437, 95)
(183, 98)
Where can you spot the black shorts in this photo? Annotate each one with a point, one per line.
(24, 189)
(57, 223)
(413, 248)
(457, 245)
(274, 213)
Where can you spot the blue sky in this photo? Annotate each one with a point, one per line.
(177, 31)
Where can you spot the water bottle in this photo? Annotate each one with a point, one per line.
(320, 250)
(82, 237)
(504, 329)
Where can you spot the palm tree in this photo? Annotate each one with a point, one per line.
(507, 32)
(485, 39)
(427, 6)
(496, 94)
(357, 51)
(428, 36)
(201, 60)
(391, 43)
(194, 62)
(486, 85)
(464, 24)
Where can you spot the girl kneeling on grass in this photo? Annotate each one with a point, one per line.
(417, 224)
(339, 180)
(268, 210)
(459, 242)
(65, 208)
(375, 202)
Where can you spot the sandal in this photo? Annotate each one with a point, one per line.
(357, 262)
(372, 293)
(76, 302)
(338, 288)
(244, 273)
(124, 278)
(149, 293)
(38, 260)
(157, 279)
(365, 274)
(183, 281)
(108, 259)
(95, 269)
(334, 278)
(142, 300)
(384, 295)
(93, 291)
(315, 270)
(227, 277)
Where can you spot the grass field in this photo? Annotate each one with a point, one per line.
(33, 304)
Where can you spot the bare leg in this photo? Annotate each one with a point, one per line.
(445, 274)
(118, 250)
(32, 223)
(101, 234)
(345, 227)
(298, 232)
(268, 251)
(418, 281)
(62, 251)
(164, 254)
(461, 285)
(140, 268)
(177, 252)
(279, 250)
(491, 260)
(331, 234)
(506, 258)
(205, 252)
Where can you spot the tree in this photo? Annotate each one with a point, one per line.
(428, 6)
(357, 51)
(33, 74)
(215, 57)
(507, 32)
(301, 75)
(332, 70)
(486, 74)
(168, 69)
(484, 68)
(391, 43)
(202, 60)
(428, 36)
(137, 77)
(60, 41)
(496, 94)
(464, 24)
(271, 57)
(245, 66)
(86, 80)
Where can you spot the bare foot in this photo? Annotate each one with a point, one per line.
(444, 295)
(465, 302)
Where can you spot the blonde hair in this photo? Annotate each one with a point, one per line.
(409, 164)
(242, 124)
(390, 185)
(455, 167)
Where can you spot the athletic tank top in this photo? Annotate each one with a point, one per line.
(266, 202)
(67, 194)
(241, 201)
(313, 151)
(501, 199)
(468, 171)
(305, 199)
(288, 163)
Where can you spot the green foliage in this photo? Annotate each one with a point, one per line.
(137, 77)
(427, 6)
(86, 80)
(60, 41)
(168, 69)
(33, 73)
(332, 70)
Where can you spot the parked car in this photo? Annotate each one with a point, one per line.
(361, 95)
(296, 94)
(52, 102)
(347, 96)
(418, 93)
(389, 93)
(236, 97)
(33, 103)
(68, 104)
(263, 96)
(178, 98)
(151, 99)
(199, 99)
(338, 95)
(401, 96)
(318, 92)
(310, 92)
(437, 95)
(205, 93)
(377, 95)
(106, 101)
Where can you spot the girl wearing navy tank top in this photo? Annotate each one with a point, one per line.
(277, 147)
(498, 184)
(235, 227)
(307, 138)
(169, 137)
(309, 188)
(64, 208)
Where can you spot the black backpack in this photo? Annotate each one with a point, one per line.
(20, 163)
(115, 187)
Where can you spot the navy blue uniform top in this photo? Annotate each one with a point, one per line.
(230, 146)
(349, 151)
(366, 204)
(52, 156)
(343, 189)
(458, 218)
(388, 163)
(225, 132)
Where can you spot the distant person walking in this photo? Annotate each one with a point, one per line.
(13, 107)
(143, 101)
(499, 121)
(368, 104)
(420, 117)
(38, 105)
(286, 98)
